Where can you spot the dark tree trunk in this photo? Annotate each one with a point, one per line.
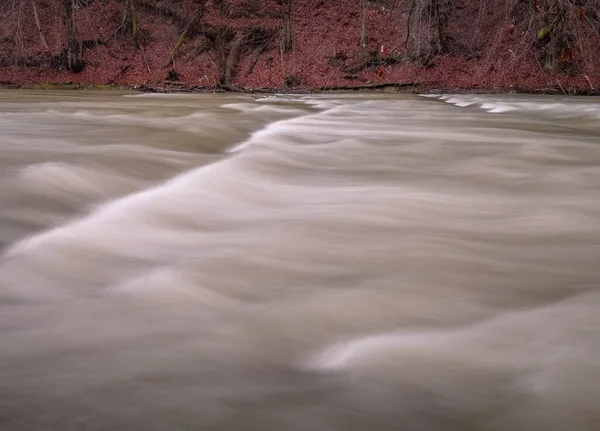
(129, 22)
(288, 27)
(74, 47)
(363, 23)
(441, 10)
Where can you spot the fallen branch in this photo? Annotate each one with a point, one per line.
(121, 71)
(194, 21)
(257, 57)
(144, 57)
(177, 45)
(182, 88)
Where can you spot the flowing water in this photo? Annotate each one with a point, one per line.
(355, 263)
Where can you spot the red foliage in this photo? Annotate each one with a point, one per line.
(323, 30)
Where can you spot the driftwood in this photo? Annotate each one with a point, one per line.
(369, 86)
(180, 87)
(176, 83)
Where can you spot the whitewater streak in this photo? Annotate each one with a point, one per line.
(295, 263)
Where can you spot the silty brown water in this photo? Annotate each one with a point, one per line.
(211, 262)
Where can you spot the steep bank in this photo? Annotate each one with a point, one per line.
(491, 45)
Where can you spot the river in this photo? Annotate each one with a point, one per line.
(295, 263)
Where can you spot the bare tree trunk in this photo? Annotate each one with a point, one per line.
(126, 9)
(17, 10)
(363, 23)
(74, 47)
(134, 21)
(410, 13)
(193, 22)
(288, 27)
(129, 15)
(232, 58)
(38, 24)
(442, 14)
(441, 10)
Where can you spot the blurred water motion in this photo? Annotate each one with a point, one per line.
(299, 263)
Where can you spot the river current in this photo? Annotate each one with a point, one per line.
(298, 263)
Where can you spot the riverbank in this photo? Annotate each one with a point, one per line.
(400, 88)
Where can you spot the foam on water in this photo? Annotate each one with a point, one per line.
(500, 104)
(161, 95)
(260, 109)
